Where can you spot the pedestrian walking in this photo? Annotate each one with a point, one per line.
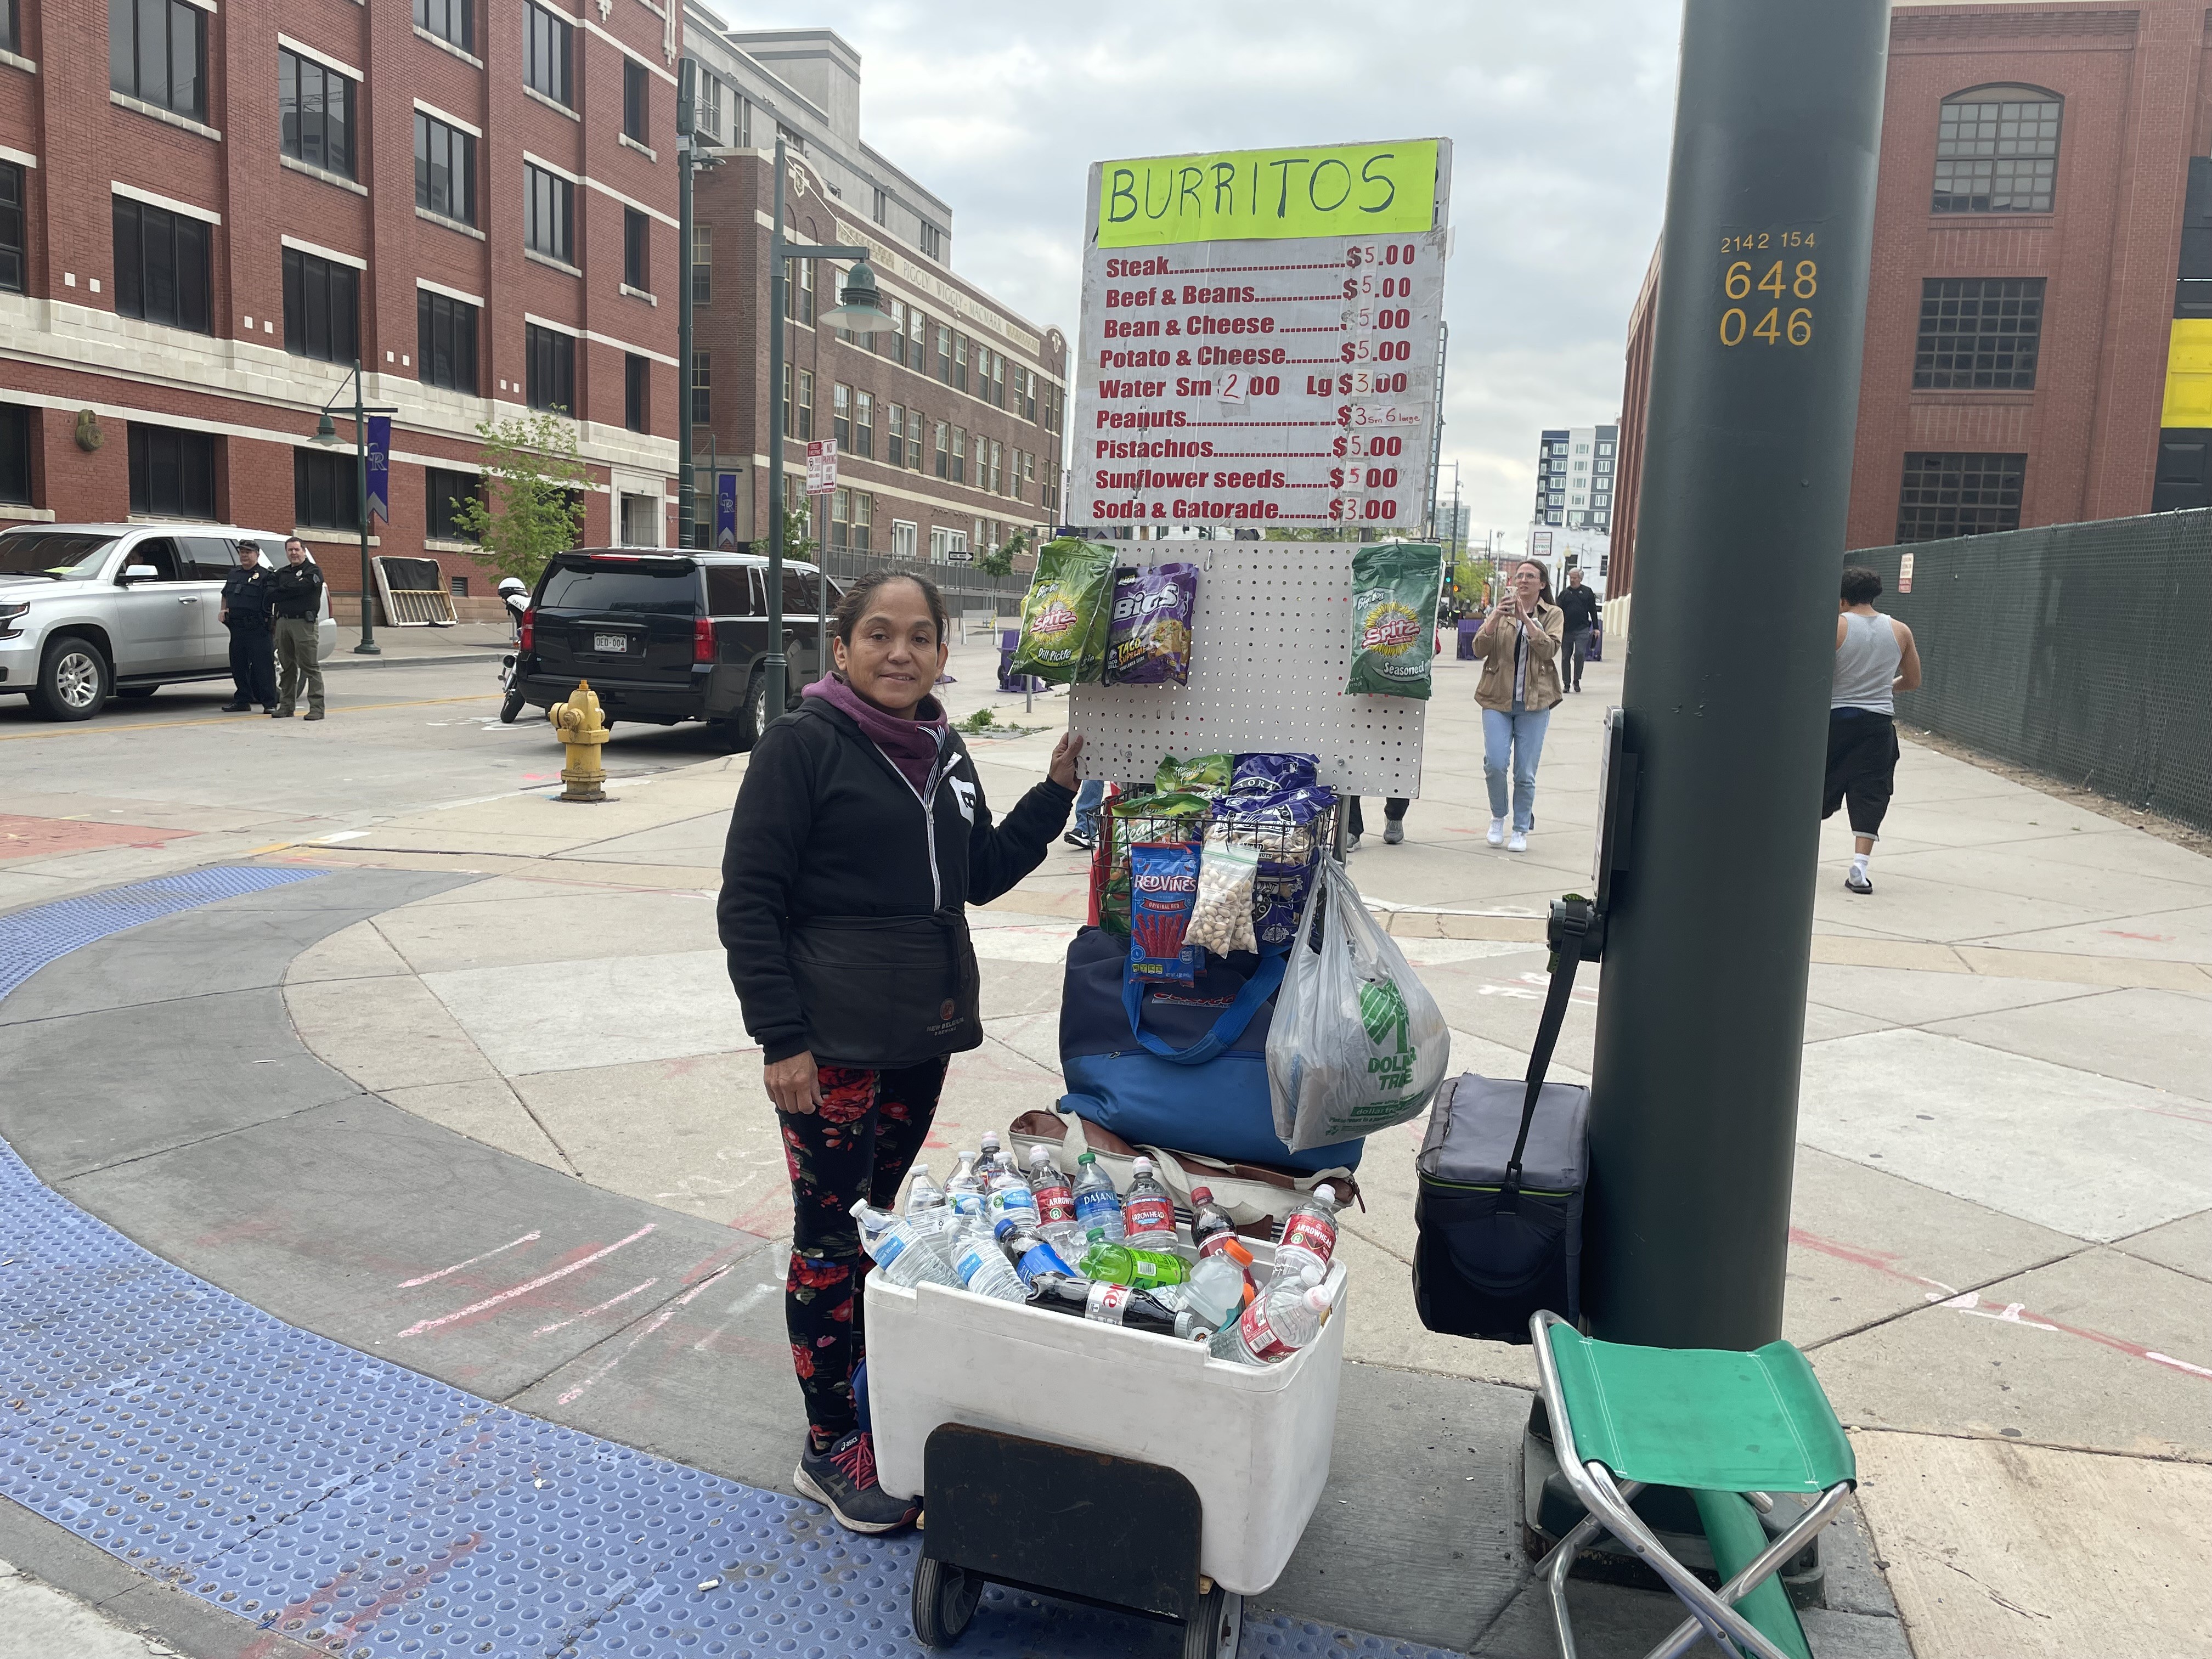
(1393, 820)
(245, 611)
(1578, 605)
(1088, 799)
(1875, 658)
(1520, 686)
(296, 596)
(860, 837)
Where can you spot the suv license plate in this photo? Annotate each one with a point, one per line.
(617, 642)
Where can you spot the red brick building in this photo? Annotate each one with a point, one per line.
(206, 213)
(2033, 284)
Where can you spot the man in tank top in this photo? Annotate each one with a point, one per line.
(1875, 658)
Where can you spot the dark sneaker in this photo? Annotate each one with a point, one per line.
(1077, 838)
(235, 708)
(844, 1478)
(1393, 833)
(1857, 884)
(314, 714)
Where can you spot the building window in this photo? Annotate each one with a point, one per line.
(549, 357)
(14, 454)
(546, 51)
(915, 427)
(161, 266)
(960, 361)
(444, 494)
(11, 226)
(444, 170)
(863, 425)
(445, 341)
(157, 54)
(944, 354)
(9, 33)
(895, 434)
(314, 107)
(883, 209)
(997, 468)
(703, 265)
(960, 454)
(707, 111)
(449, 19)
(637, 392)
(805, 411)
(840, 513)
(172, 472)
(864, 519)
(944, 450)
(932, 242)
(1955, 495)
(322, 308)
(637, 101)
(1997, 151)
(1979, 332)
(458, 586)
(325, 490)
(703, 388)
(805, 314)
(917, 336)
(637, 249)
(790, 379)
(841, 416)
(548, 226)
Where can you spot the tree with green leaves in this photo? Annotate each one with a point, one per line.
(799, 530)
(532, 503)
(1000, 561)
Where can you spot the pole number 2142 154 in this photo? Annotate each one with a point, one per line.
(1767, 305)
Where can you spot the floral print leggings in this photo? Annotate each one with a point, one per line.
(859, 1143)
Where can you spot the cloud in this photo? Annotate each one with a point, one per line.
(1559, 117)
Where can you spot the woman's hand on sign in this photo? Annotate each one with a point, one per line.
(1065, 754)
(793, 1084)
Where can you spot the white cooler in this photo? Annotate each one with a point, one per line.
(1253, 1440)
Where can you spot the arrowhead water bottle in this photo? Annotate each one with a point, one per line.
(984, 1269)
(1055, 1202)
(901, 1254)
(1287, 1318)
(1148, 1212)
(1308, 1233)
(928, 1211)
(1096, 1204)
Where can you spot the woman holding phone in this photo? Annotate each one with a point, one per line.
(860, 837)
(1519, 646)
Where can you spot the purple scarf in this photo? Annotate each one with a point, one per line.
(910, 745)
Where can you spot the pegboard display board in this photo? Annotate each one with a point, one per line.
(1271, 648)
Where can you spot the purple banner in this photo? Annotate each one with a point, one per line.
(380, 467)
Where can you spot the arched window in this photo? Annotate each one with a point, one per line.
(1997, 151)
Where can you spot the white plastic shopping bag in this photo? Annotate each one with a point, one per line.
(1357, 1043)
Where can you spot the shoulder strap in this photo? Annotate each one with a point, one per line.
(1226, 1029)
(1566, 957)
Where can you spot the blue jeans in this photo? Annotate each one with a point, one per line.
(1523, 732)
(1087, 797)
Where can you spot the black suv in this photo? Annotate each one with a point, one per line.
(667, 636)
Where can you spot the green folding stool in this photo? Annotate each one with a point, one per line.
(1732, 1429)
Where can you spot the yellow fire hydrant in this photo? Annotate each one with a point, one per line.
(583, 728)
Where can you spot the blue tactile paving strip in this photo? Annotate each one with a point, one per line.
(354, 1506)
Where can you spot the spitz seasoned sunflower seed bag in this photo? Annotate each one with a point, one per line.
(1394, 587)
(1064, 613)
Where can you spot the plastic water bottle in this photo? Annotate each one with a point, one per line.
(983, 1269)
(1032, 1255)
(1275, 1327)
(966, 1217)
(903, 1255)
(1008, 1195)
(1055, 1202)
(1148, 1212)
(928, 1211)
(991, 1159)
(1126, 1264)
(1096, 1204)
(1209, 1223)
(1308, 1233)
(1214, 1291)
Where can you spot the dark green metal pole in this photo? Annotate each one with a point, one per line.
(1747, 460)
(368, 647)
(687, 482)
(773, 664)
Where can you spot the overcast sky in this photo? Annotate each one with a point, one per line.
(1559, 118)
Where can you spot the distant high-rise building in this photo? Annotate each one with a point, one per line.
(1452, 523)
(1574, 477)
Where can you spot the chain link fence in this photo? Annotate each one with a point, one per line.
(2080, 651)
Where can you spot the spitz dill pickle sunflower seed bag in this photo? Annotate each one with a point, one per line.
(1394, 587)
(1064, 613)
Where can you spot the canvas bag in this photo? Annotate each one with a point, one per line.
(1502, 1176)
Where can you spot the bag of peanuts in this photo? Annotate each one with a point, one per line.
(1227, 873)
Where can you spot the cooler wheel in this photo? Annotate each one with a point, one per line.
(945, 1598)
(1220, 1622)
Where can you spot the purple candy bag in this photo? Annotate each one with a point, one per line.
(1148, 639)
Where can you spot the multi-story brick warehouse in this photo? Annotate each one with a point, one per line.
(949, 423)
(207, 211)
(2033, 348)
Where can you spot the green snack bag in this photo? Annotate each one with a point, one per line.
(1065, 612)
(1201, 774)
(1394, 589)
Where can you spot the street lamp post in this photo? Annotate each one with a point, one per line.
(858, 303)
(689, 162)
(326, 432)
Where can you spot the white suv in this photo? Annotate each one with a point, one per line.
(90, 611)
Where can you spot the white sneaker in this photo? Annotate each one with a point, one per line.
(1498, 832)
(1518, 843)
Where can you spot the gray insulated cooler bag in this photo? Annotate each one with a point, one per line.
(1503, 1172)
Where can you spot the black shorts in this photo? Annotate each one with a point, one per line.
(1862, 766)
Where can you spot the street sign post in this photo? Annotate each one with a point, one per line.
(1259, 338)
(820, 466)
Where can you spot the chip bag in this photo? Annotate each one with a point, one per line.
(1267, 771)
(1163, 881)
(1148, 638)
(1201, 774)
(1394, 589)
(1064, 615)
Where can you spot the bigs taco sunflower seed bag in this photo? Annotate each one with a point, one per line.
(1064, 613)
(1394, 587)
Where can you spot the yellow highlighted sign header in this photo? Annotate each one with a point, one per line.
(1254, 195)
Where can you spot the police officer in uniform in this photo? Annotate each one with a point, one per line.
(245, 613)
(296, 596)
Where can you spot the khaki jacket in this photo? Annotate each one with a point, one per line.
(1493, 644)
